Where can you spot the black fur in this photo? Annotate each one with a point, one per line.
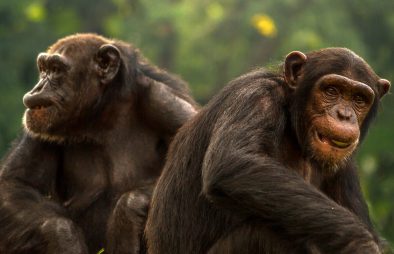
(85, 184)
(236, 177)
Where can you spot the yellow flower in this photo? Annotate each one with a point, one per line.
(265, 25)
(35, 12)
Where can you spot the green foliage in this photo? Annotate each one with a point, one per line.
(209, 42)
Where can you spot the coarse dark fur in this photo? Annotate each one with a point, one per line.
(241, 177)
(97, 129)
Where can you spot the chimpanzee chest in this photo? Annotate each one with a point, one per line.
(89, 171)
(84, 175)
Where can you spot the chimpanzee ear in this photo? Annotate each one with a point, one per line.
(383, 87)
(107, 62)
(294, 64)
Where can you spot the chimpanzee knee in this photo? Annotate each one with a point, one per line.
(133, 203)
(125, 227)
(63, 237)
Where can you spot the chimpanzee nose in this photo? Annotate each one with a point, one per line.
(344, 113)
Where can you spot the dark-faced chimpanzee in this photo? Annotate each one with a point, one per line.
(97, 127)
(267, 166)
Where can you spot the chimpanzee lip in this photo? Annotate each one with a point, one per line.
(334, 142)
(41, 106)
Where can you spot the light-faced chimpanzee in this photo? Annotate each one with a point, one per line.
(97, 127)
(267, 166)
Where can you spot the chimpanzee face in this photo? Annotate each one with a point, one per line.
(340, 90)
(336, 111)
(71, 82)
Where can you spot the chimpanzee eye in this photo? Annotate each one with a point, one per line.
(331, 91)
(40, 67)
(359, 99)
(56, 69)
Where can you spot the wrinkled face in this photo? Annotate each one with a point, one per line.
(70, 84)
(49, 102)
(333, 92)
(335, 114)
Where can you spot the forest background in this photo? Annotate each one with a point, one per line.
(208, 43)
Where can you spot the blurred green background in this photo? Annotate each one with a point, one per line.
(209, 42)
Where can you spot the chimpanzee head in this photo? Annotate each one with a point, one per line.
(76, 76)
(335, 94)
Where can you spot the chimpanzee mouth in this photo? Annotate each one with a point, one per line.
(39, 110)
(39, 107)
(340, 144)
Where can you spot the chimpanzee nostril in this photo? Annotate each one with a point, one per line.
(344, 113)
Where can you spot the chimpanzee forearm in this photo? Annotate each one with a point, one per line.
(29, 219)
(32, 162)
(33, 223)
(344, 188)
(263, 187)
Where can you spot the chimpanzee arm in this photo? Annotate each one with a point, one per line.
(344, 188)
(33, 163)
(241, 174)
(163, 106)
(29, 221)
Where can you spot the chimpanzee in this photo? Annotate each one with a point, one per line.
(97, 128)
(267, 166)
